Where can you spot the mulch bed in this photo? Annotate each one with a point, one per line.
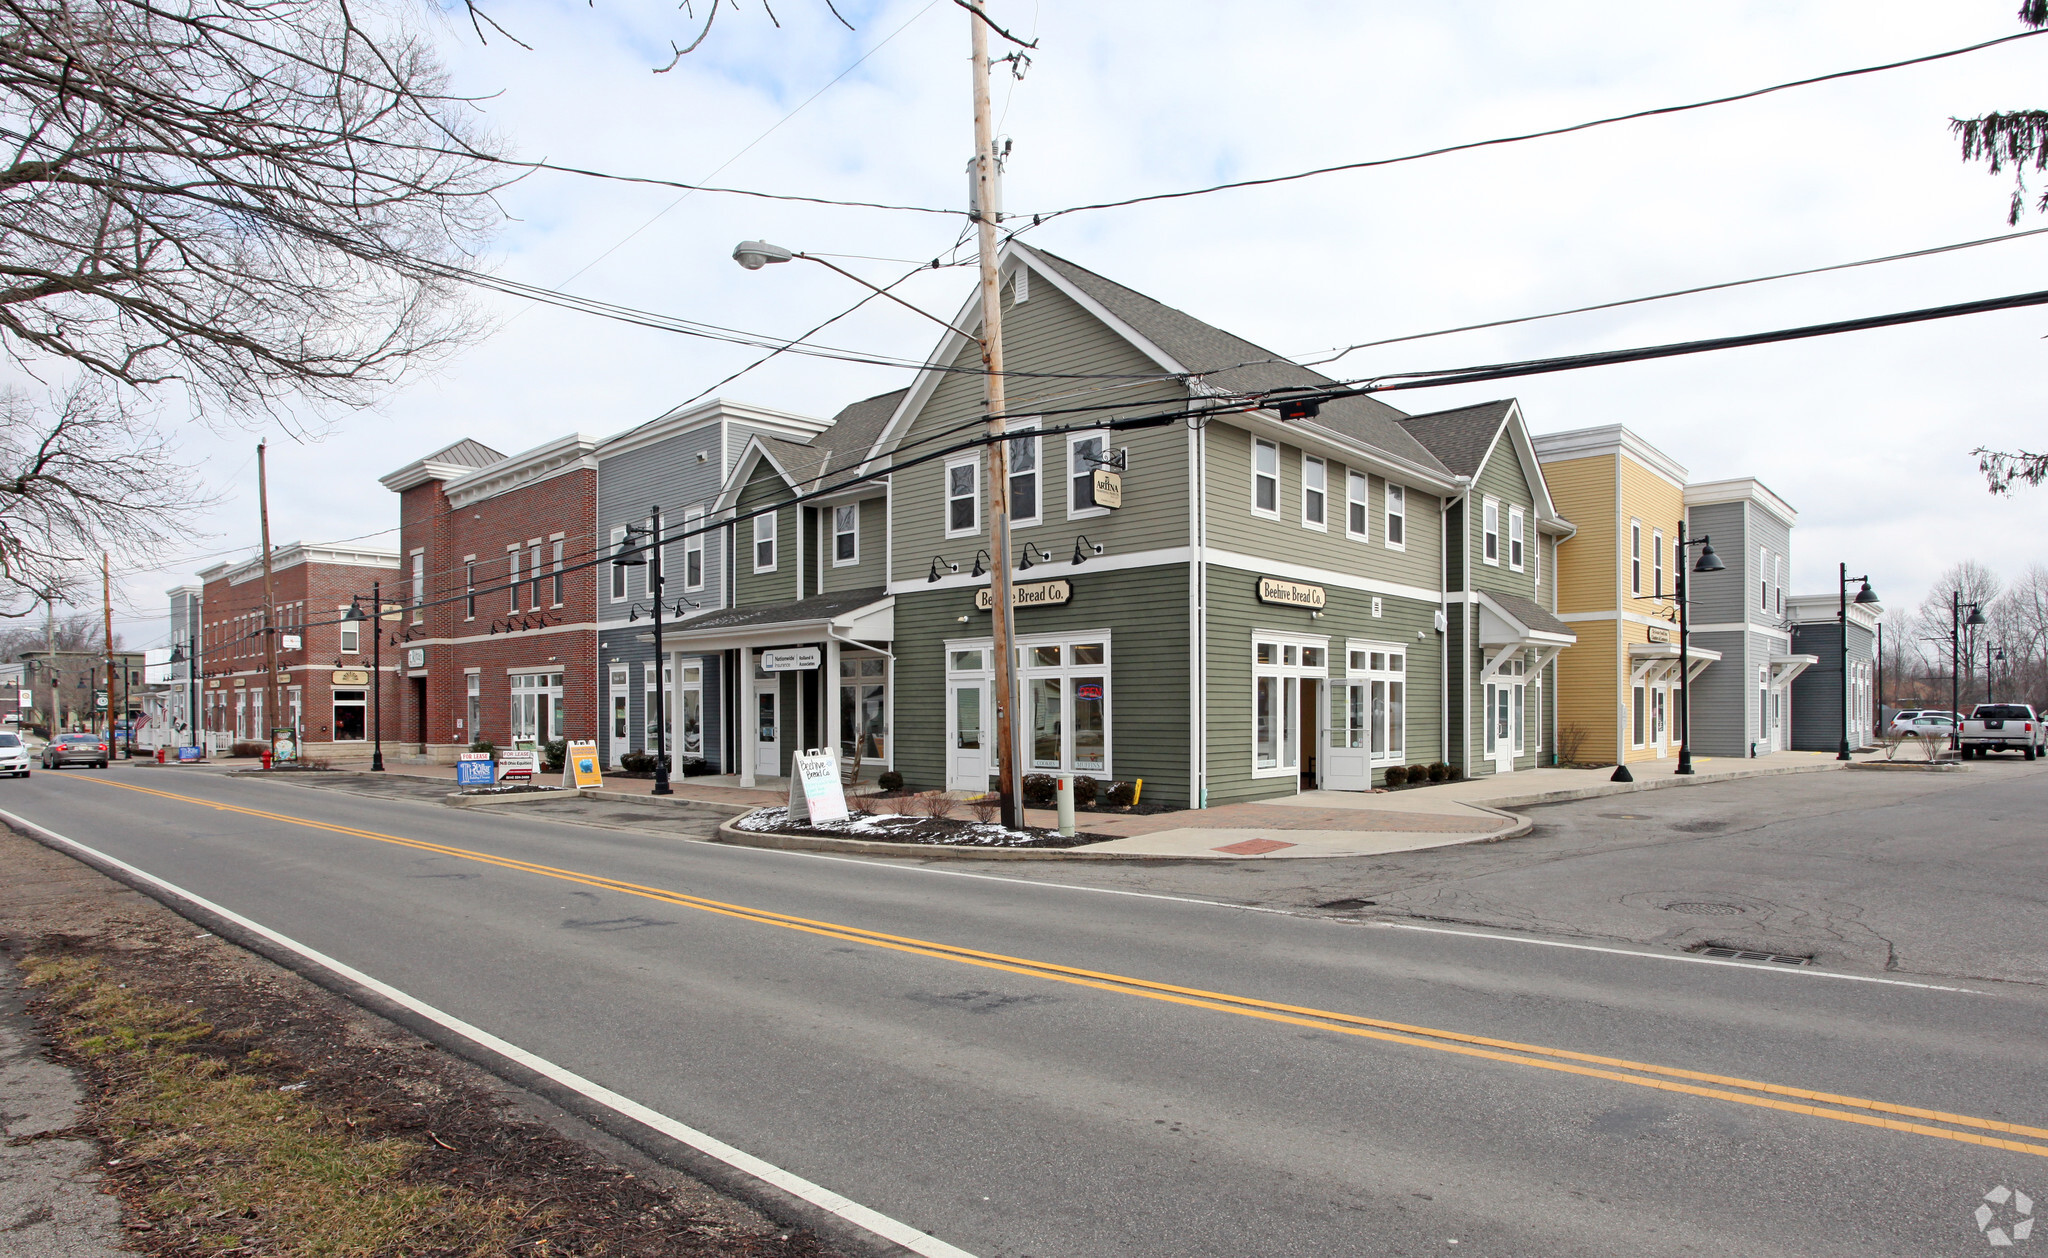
(886, 827)
(466, 1137)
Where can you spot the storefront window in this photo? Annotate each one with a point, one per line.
(1287, 685)
(690, 699)
(1046, 711)
(537, 715)
(1377, 681)
(668, 717)
(863, 705)
(350, 711)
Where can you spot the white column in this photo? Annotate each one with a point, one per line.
(828, 693)
(748, 734)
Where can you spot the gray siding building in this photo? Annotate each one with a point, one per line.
(1742, 703)
(1821, 706)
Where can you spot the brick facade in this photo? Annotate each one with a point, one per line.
(313, 587)
(497, 584)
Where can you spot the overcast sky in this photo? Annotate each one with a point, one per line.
(1867, 435)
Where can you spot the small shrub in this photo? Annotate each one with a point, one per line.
(1085, 792)
(1437, 771)
(553, 753)
(697, 767)
(890, 781)
(1041, 790)
(248, 749)
(636, 762)
(1453, 773)
(985, 808)
(1122, 794)
(1418, 774)
(1397, 776)
(484, 745)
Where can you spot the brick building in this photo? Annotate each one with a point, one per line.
(497, 638)
(324, 665)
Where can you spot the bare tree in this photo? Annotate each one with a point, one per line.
(77, 631)
(79, 475)
(1932, 621)
(247, 200)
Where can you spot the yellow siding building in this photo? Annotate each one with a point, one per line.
(1617, 687)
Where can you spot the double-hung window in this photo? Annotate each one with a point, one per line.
(351, 639)
(1778, 571)
(1024, 478)
(1357, 507)
(419, 586)
(963, 498)
(764, 542)
(1635, 558)
(1490, 537)
(533, 570)
(1515, 520)
(618, 573)
(693, 549)
(469, 587)
(1265, 478)
(561, 544)
(512, 576)
(845, 534)
(1315, 493)
(1657, 561)
(1085, 453)
(1397, 517)
(1763, 567)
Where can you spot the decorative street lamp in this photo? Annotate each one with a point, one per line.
(655, 580)
(1955, 662)
(1708, 562)
(1864, 596)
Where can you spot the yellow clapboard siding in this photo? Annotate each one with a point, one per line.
(1583, 491)
(1587, 691)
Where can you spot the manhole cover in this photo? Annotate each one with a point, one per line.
(1702, 909)
(1346, 905)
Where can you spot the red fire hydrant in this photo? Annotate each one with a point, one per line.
(159, 755)
(266, 758)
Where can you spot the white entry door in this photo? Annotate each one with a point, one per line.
(970, 727)
(620, 727)
(1660, 707)
(767, 733)
(1501, 727)
(1347, 759)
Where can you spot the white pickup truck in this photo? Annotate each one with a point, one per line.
(2002, 727)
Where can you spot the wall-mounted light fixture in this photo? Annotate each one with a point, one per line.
(1084, 548)
(938, 562)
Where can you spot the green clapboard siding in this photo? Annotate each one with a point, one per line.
(1235, 615)
(766, 487)
(874, 549)
(1144, 613)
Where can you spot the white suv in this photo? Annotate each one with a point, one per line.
(13, 755)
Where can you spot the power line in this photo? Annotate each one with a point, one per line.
(1045, 217)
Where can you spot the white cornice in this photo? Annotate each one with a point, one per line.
(1743, 489)
(573, 453)
(1581, 443)
(798, 428)
(290, 555)
(415, 474)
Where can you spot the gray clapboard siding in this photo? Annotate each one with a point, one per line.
(1049, 333)
(1727, 596)
(665, 474)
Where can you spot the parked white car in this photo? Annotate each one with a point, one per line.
(1908, 721)
(14, 761)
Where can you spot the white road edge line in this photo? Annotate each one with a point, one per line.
(1788, 970)
(824, 1198)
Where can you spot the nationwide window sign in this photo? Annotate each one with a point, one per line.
(1292, 594)
(1028, 594)
(793, 660)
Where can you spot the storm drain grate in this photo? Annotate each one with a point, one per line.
(1744, 954)
(1346, 905)
(1704, 910)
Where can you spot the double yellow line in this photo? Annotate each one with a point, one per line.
(1990, 1133)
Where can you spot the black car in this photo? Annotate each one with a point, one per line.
(69, 749)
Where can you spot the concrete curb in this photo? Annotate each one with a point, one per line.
(671, 801)
(1654, 784)
(729, 832)
(459, 800)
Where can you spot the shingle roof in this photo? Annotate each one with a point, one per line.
(1530, 613)
(1460, 438)
(816, 607)
(840, 447)
(465, 453)
(1231, 362)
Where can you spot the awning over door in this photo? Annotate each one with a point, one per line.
(1510, 625)
(1785, 667)
(1656, 663)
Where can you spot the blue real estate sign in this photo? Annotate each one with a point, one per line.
(474, 769)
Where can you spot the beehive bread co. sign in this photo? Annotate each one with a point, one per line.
(1028, 594)
(1292, 593)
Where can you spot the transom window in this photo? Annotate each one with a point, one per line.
(1280, 666)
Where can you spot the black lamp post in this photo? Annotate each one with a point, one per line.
(1864, 596)
(655, 579)
(1955, 661)
(1708, 562)
(354, 615)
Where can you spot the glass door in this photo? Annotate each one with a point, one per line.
(618, 730)
(969, 729)
(767, 733)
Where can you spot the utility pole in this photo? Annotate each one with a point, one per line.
(270, 707)
(107, 608)
(1009, 780)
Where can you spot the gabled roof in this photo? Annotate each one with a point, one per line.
(1461, 438)
(807, 466)
(1527, 613)
(1230, 362)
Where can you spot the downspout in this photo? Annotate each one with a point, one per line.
(1443, 532)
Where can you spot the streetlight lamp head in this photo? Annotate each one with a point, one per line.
(1976, 617)
(1709, 561)
(755, 254)
(354, 614)
(1866, 594)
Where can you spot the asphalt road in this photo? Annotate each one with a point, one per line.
(1221, 1081)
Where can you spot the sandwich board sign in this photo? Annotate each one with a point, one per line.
(815, 793)
(475, 768)
(580, 766)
